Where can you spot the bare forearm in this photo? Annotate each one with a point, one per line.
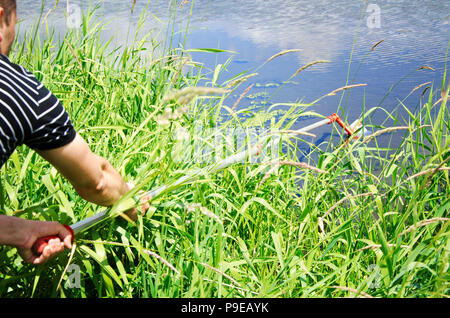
(92, 176)
(10, 233)
(109, 188)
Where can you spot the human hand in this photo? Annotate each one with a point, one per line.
(132, 213)
(33, 230)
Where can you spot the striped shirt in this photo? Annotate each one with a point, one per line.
(29, 113)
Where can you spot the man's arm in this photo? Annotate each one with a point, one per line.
(93, 177)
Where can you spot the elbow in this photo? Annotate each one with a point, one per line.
(95, 189)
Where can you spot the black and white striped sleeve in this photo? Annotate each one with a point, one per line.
(29, 113)
(52, 128)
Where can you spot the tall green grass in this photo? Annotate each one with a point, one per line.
(375, 224)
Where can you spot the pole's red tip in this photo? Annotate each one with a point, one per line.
(335, 118)
(259, 147)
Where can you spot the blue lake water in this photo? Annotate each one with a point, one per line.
(414, 34)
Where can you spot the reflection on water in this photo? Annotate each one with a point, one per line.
(326, 29)
(414, 34)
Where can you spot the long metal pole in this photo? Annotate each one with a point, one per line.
(255, 150)
(236, 158)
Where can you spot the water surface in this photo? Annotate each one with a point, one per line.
(414, 34)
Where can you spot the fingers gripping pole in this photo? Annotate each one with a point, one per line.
(42, 243)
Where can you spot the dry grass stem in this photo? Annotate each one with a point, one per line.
(74, 54)
(297, 164)
(384, 131)
(371, 175)
(180, 68)
(267, 175)
(376, 44)
(242, 290)
(427, 171)
(240, 80)
(168, 57)
(277, 164)
(242, 96)
(426, 67)
(350, 196)
(308, 65)
(345, 88)
(45, 17)
(423, 223)
(437, 169)
(419, 86)
(420, 127)
(440, 100)
(72, 252)
(192, 207)
(222, 273)
(375, 246)
(280, 54)
(357, 292)
(162, 260)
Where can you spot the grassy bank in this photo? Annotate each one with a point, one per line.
(332, 228)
